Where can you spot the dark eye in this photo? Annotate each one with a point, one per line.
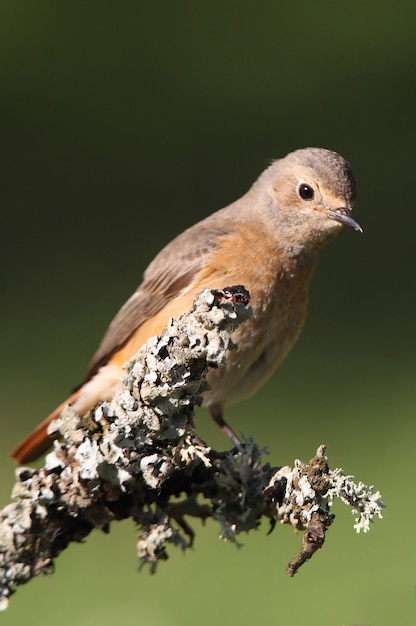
(306, 192)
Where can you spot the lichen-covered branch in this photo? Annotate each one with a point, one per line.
(138, 457)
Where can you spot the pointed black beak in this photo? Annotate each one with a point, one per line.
(343, 215)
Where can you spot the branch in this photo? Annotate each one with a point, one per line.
(134, 457)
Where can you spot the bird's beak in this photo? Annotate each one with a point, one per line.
(343, 215)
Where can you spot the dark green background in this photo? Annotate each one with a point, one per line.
(122, 123)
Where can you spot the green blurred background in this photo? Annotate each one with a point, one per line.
(121, 124)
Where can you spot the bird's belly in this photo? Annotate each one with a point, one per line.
(262, 344)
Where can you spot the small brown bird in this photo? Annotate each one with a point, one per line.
(268, 241)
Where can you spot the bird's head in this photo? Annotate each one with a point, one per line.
(310, 194)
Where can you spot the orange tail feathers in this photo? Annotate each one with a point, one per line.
(38, 442)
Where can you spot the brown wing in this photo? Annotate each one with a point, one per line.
(172, 270)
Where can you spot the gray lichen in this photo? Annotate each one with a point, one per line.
(138, 457)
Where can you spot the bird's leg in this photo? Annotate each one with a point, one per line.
(217, 415)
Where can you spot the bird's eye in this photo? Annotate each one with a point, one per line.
(306, 192)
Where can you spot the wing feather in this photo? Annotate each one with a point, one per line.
(171, 271)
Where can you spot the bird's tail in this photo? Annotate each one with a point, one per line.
(38, 442)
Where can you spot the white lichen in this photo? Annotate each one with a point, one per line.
(366, 503)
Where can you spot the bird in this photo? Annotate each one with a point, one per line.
(268, 241)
